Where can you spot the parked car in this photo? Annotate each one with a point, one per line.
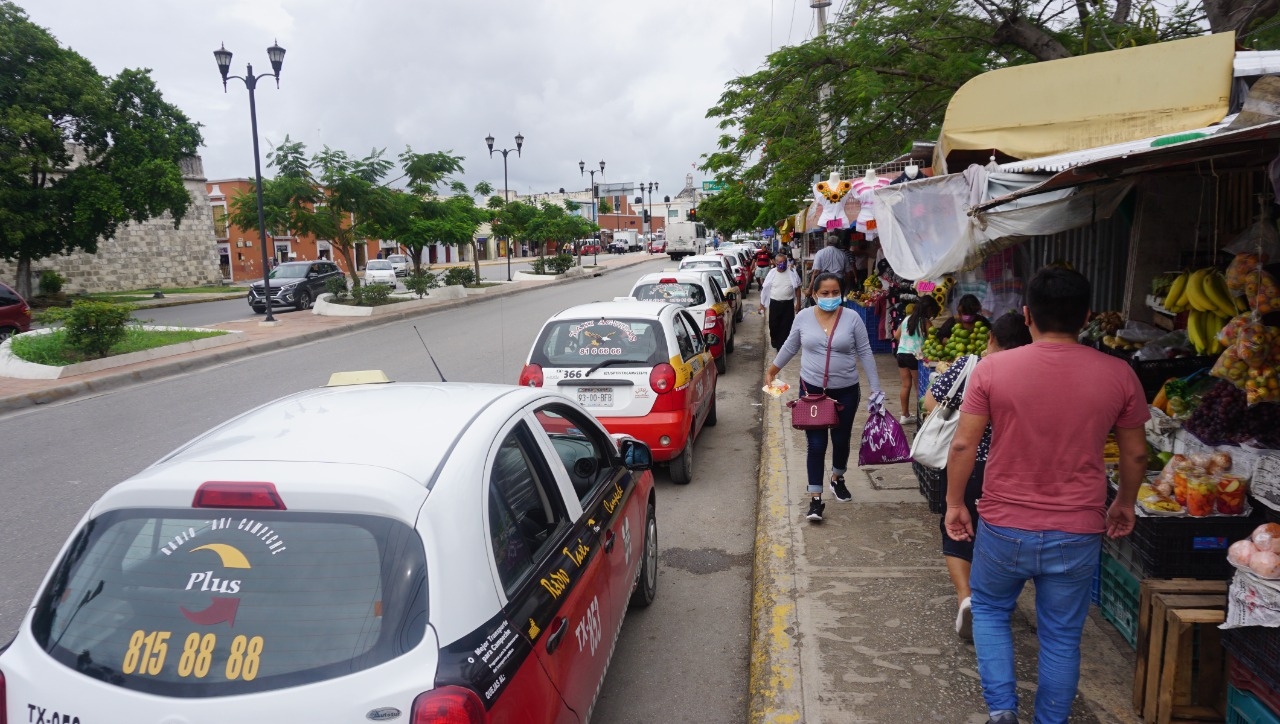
(658, 246)
(294, 284)
(730, 290)
(380, 271)
(401, 263)
(368, 572)
(642, 368)
(15, 315)
(702, 298)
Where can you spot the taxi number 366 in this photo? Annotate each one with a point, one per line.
(40, 715)
(588, 630)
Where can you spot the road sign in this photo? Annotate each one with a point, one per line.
(713, 186)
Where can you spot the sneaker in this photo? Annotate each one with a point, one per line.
(904, 420)
(964, 620)
(816, 506)
(838, 487)
(1004, 717)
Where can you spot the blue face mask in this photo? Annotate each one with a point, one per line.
(782, 266)
(829, 304)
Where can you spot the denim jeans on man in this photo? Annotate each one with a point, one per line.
(1062, 566)
(840, 435)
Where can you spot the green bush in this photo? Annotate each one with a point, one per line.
(92, 328)
(538, 266)
(371, 295)
(51, 283)
(337, 286)
(421, 282)
(460, 275)
(561, 263)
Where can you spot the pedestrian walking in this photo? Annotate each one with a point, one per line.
(1043, 509)
(780, 295)
(816, 331)
(832, 259)
(910, 335)
(1007, 332)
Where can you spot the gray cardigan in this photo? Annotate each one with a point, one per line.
(850, 349)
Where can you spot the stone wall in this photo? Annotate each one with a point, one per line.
(146, 255)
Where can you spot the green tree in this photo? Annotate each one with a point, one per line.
(605, 206)
(80, 153)
(512, 220)
(732, 210)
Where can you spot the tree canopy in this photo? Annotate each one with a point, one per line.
(80, 153)
(891, 67)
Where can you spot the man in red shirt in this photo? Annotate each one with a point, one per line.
(1043, 510)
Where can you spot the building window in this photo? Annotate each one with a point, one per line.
(220, 221)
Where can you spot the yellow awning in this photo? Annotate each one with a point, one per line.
(1028, 111)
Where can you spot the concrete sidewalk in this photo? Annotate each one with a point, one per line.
(293, 328)
(853, 618)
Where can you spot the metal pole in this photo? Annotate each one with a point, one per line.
(824, 93)
(252, 82)
(504, 201)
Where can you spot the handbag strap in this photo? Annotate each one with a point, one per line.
(831, 338)
(969, 364)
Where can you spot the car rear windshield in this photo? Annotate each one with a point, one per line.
(182, 604)
(290, 271)
(686, 294)
(398, 259)
(379, 265)
(589, 342)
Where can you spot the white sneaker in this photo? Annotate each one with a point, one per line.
(904, 420)
(964, 620)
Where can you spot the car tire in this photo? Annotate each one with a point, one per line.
(681, 466)
(728, 345)
(712, 415)
(722, 362)
(646, 588)
(7, 332)
(304, 300)
(258, 310)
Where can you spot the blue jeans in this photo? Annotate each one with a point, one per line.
(1062, 566)
(840, 435)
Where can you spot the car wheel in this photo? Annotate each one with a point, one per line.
(7, 332)
(728, 345)
(737, 317)
(712, 416)
(681, 466)
(647, 577)
(304, 300)
(722, 362)
(259, 310)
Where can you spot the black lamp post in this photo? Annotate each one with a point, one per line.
(582, 168)
(650, 187)
(276, 55)
(504, 151)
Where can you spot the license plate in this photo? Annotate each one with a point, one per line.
(595, 396)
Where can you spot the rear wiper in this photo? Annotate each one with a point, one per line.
(609, 363)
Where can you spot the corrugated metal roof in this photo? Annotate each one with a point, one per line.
(1256, 62)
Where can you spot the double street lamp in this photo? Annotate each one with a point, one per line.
(582, 168)
(276, 55)
(504, 151)
(651, 186)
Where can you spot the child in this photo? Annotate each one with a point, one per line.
(910, 335)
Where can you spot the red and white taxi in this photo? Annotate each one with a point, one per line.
(303, 563)
(642, 368)
(703, 298)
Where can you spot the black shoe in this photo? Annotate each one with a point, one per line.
(816, 506)
(1005, 717)
(838, 487)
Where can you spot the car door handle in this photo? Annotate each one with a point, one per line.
(559, 627)
(609, 537)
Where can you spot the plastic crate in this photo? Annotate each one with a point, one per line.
(1119, 598)
(1171, 547)
(1245, 708)
(1153, 373)
(933, 486)
(1258, 649)
(872, 322)
(1242, 678)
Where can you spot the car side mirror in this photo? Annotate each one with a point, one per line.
(711, 338)
(636, 456)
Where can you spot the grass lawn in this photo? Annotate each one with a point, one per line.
(138, 295)
(51, 349)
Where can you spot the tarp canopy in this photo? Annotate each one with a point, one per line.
(1028, 111)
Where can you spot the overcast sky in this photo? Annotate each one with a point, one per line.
(626, 82)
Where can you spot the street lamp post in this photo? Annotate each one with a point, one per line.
(582, 168)
(276, 55)
(504, 151)
(650, 187)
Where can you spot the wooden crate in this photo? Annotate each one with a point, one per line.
(1191, 691)
(1143, 675)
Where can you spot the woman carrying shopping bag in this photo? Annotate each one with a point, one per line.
(1007, 332)
(835, 346)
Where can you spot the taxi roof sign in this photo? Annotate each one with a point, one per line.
(360, 377)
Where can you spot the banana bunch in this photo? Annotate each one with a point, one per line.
(1204, 290)
(1203, 329)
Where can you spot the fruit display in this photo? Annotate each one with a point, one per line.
(1203, 290)
(1239, 269)
(1251, 358)
(1224, 417)
(1262, 292)
(1259, 553)
(1102, 326)
(961, 342)
(1197, 485)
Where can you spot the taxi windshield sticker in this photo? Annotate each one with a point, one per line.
(604, 337)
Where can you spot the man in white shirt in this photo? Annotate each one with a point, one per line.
(780, 292)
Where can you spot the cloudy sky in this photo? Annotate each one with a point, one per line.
(626, 82)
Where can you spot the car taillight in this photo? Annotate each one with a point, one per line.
(447, 705)
(663, 378)
(531, 376)
(709, 322)
(236, 494)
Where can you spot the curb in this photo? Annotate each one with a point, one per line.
(140, 306)
(98, 385)
(773, 691)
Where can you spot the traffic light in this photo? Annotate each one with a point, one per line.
(691, 215)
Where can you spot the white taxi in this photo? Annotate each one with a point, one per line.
(701, 297)
(303, 563)
(642, 368)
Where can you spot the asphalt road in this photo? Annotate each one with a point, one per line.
(683, 659)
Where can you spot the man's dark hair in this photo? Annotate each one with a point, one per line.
(1058, 300)
(1010, 331)
(968, 304)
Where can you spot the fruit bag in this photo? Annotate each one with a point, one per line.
(1238, 271)
(1227, 335)
(1230, 367)
(883, 440)
(1262, 292)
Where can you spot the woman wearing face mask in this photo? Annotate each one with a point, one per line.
(817, 329)
(968, 314)
(780, 294)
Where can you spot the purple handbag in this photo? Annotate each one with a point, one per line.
(883, 440)
(818, 412)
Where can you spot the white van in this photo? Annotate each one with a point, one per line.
(685, 238)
